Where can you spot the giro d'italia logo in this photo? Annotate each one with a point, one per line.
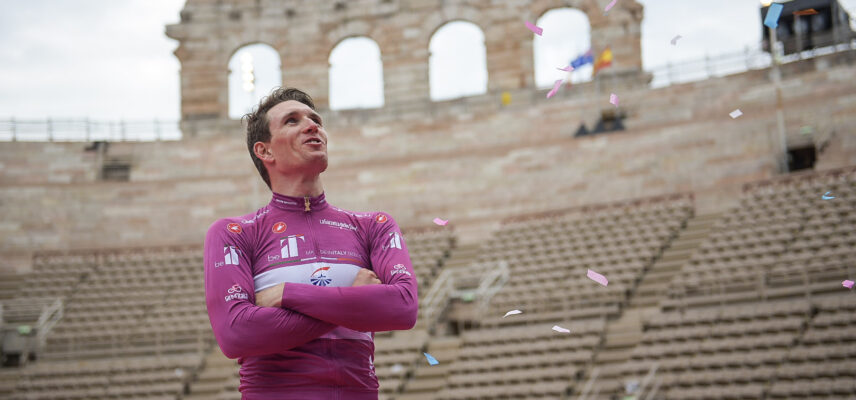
(320, 277)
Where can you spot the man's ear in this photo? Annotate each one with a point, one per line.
(262, 151)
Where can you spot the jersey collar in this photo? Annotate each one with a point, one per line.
(291, 203)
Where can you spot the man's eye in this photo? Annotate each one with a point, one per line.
(290, 120)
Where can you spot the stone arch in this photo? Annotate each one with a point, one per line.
(356, 74)
(457, 61)
(567, 35)
(253, 69)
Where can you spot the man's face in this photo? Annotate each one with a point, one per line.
(298, 141)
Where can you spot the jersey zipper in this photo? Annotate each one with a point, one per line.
(308, 213)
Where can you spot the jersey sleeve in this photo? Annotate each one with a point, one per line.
(241, 328)
(391, 305)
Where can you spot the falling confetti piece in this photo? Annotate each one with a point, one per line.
(736, 113)
(431, 359)
(848, 284)
(566, 69)
(556, 86)
(826, 196)
(597, 277)
(396, 368)
(558, 328)
(609, 6)
(536, 30)
(773, 13)
(512, 312)
(675, 40)
(808, 11)
(613, 99)
(440, 222)
(506, 98)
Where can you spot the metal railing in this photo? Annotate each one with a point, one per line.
(732, 63)
(50, 316)
(50, 130)
(437, 298)
(490, 284)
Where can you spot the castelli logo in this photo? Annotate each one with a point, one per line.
(381, 218)
(234, 228)
(279, 227)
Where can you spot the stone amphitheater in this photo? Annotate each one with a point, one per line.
(725, 273)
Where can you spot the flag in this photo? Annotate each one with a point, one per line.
(584, 59)
(603, 60)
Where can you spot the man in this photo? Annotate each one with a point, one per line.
(295, 290)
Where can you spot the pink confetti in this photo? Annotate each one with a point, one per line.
(556, 86)
(597, 278)
(610, 5)
(613, 99)
(536, 30)
(440, 222)
(848, 284)
(566, 69)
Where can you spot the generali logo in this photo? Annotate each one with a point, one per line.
(279, 227)
(234, 228)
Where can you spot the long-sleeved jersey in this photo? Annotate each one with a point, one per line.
(320, 343)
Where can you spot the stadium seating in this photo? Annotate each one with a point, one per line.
(757, 312)
(782, 240)
(549, 258)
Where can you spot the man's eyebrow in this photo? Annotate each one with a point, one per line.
(292, 113)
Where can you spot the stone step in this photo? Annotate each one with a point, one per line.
(614, 355)
(672, 255)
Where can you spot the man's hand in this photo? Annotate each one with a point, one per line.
(365, 277)
(270, 297)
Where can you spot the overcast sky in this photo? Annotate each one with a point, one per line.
(110, 59)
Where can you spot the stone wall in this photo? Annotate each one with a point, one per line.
(471, 160)
(305, 32)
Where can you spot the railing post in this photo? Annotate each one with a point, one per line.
(670, 73)
(122, 133)
(707, 67)
(88, 128)
(50, 130)
(157, 130)
(14, 129)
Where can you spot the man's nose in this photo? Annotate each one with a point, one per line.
(311, 126)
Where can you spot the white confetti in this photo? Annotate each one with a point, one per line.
(736, 113)
(558, 328)
(512, 312)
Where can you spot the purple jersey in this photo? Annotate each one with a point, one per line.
(319, 344)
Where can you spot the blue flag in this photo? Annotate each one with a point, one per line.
(584, 59)
(773, 14)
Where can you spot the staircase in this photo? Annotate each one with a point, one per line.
(427, 380)
(622, 335)
(655, 282)
(625, 333)
(218, 379)
(462, 257)
(8, 381)
(433, 303)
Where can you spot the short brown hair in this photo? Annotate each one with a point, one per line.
(258, 125)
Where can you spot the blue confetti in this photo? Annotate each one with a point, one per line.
(431, 359)
(826, 196)
(773, 13)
